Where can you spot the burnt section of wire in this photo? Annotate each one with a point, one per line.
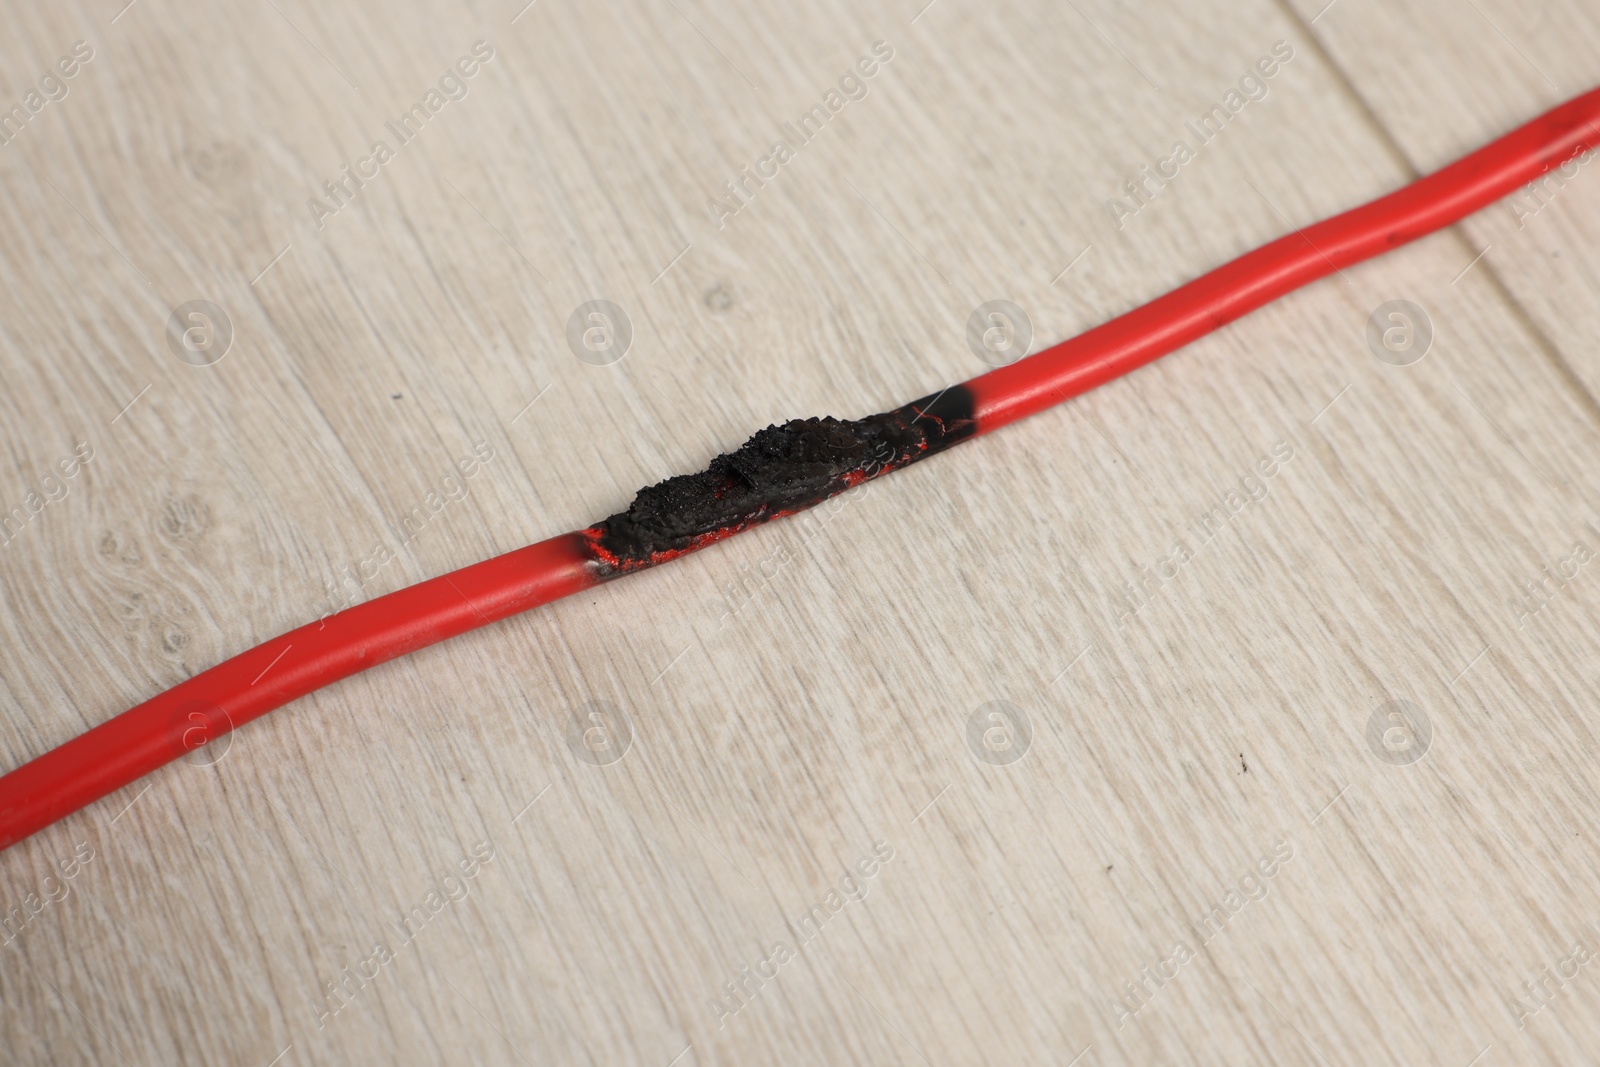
(780, 470)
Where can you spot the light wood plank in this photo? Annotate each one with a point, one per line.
(1171, 749)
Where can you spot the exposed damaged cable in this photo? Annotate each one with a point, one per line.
(781, 470)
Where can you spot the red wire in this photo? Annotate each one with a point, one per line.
(199, 710)
(127, 747)
(1130, 341)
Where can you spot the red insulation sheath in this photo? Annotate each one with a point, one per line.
(1236, 288)
(195, 712)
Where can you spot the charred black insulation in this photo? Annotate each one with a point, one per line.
(783, 468)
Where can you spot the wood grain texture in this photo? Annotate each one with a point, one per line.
(233, 910)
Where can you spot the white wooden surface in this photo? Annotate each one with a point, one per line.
(1175, 755)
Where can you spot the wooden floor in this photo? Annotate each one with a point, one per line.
(1239, 712)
